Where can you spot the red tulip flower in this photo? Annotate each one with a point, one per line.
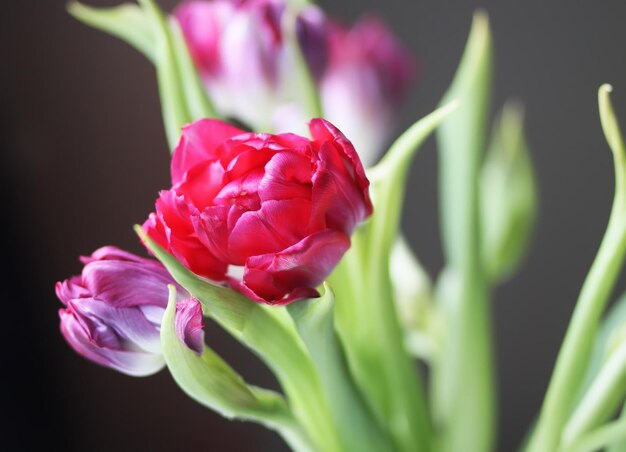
(271, 215)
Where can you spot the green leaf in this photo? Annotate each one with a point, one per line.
(604, 387)
(607, 437)
(382, 368)
(126, 22)
(353, 419)
(196, 97)
(508, 196)
(601, 400)
(270, 333)
(463, 388)
(575, 353)
(613, 320)
(213, 383)
(175, 110)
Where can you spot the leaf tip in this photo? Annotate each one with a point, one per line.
(480, 19)
(139, 231)
(76, 9)
(608, 120)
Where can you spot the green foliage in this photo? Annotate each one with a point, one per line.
(463, 386)
(213, 383)
(270, 333)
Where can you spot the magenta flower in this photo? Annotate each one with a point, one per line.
(269, 214)
(363, 74)
(113, 311)
(239, 48)
(368, 76)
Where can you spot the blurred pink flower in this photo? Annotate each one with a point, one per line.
(363, 74)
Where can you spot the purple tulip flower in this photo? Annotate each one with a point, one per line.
(113, 312)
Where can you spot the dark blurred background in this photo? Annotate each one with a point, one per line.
(84, 154)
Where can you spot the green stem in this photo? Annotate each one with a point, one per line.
(601, 400)
(620, 445)
(366, 317)
(355, 424)
(378, 358)
(270, 333)
(575, 352)
(605, 436)
(464, 384)
(172, 94)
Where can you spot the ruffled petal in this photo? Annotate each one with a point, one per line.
(293, 273)
(323, 131)
(275, 227)
(199, 142)
(70, 289)
(172, 227)
(287, 175)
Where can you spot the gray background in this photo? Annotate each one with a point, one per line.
(83, 155)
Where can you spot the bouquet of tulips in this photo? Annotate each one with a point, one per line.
(282, 224)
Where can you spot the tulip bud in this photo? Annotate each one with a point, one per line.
(508, 196)
(113, 311)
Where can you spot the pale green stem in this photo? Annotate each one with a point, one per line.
(601, 399)
(269, 332)
(175, 111)
(464, 383)
(576, 349)
(352, 418)
(605, 436)
(619, 446)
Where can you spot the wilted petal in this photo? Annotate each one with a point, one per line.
(188, 324)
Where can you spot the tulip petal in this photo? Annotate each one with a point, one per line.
(188, 324)
(275, 227)
(323, 131)
(70, 289)
(296, 270)
(132, 363)
(126, 283)
(287, 175)
(199, 143)
(173, 228)
(202, 24)
(119, 328)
